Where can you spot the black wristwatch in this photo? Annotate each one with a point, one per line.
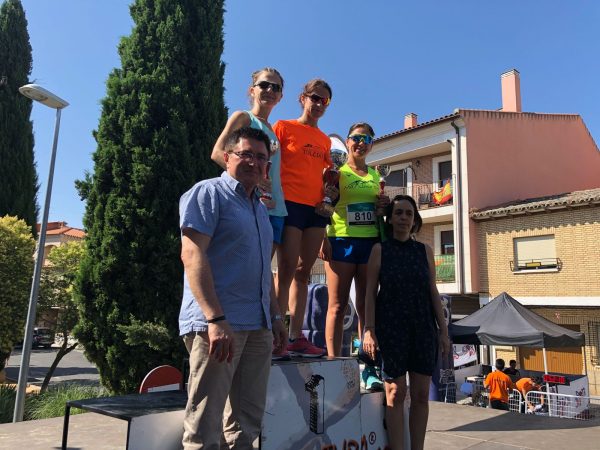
(216, 319)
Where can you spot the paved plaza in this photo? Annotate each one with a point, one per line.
(450, 427)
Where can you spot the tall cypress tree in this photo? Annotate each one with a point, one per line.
(163, 111)
(18, 178)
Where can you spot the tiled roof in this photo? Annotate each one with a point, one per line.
(466, 111)
(421, 125)
(61, 228)
(539, 204)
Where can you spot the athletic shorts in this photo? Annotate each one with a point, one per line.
(351, 250)
(277, 225)
(303, 216)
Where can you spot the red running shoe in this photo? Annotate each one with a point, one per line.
(282, 355)
(304, 348)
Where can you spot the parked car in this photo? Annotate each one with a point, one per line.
(42, 337)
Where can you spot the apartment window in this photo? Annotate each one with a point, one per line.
(397, 179)
(447, 242)
(445, 172)
(534, 253)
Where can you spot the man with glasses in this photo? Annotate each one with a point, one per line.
(229, 318)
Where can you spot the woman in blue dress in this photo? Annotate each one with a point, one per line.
(404, 320)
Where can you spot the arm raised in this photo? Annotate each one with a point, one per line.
(238, 119)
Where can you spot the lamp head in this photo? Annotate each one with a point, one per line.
(39, 94)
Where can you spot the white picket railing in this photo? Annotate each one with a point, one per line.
(564, 405)
(541, 403)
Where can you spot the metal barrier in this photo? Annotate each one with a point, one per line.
(579, 407)
(481, 397)
(447, 391)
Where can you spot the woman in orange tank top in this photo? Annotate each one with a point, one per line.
(304, 156)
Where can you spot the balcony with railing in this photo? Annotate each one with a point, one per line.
(430, 195)
(444, 268)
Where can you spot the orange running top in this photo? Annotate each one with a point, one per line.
(525, 385)
(498, 383)
(304, 155)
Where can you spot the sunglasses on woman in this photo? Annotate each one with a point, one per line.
(265, 85)
(325, 101)
(361, 138)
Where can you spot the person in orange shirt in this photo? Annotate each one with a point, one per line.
(304, 157)
(524, 385)
(499, 384)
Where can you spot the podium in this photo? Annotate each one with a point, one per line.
(318, 404)
(311, 405)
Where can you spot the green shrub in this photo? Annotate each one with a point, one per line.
(7, 402)
(52, 402)
(46, 405)
(162, 113)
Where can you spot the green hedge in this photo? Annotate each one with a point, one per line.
(46, 405)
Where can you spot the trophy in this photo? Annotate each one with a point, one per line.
(274, 146)
(383, 170)
(265, 195)
(331, 176)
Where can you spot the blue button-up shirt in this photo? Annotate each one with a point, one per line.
(239, 253)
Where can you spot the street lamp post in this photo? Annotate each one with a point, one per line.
(39, 94)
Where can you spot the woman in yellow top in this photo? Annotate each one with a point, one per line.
(350, 236)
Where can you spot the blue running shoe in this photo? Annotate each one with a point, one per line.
(369, 380)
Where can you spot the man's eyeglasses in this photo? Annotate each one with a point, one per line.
(361, 137)
(264, 85)
(325, 101)
(251, 157)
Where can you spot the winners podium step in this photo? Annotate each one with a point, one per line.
(311, 404)
(318, 404)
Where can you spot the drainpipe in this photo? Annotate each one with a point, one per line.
(459, 212)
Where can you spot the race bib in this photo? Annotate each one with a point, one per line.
(360, 214)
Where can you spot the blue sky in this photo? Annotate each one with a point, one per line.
(383, 59)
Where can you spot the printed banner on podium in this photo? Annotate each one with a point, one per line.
(317, 405)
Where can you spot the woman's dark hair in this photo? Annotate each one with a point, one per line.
(315, 83)
(418, 221)
(361, 125)
(247, 133)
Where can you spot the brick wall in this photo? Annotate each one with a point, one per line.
(576, 234)
(507, 353)
(577, 245)
(426, 235)
(424, 172)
